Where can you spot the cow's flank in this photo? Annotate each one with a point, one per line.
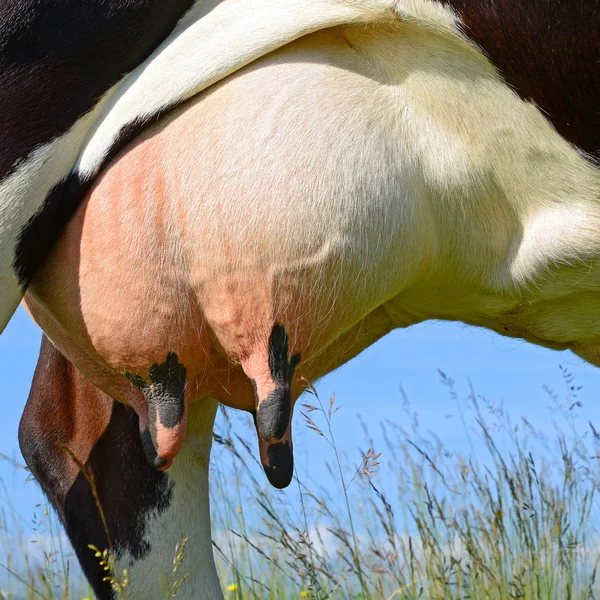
(548, 52)
(58, 57)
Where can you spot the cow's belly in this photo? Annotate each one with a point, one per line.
(248, 208)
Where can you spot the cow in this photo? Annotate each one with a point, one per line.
(363, 177)
(78, 80)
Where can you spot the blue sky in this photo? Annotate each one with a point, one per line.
(504, 370)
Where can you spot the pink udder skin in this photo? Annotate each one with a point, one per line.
(183, 246)
(170, 440)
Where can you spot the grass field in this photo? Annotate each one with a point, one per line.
(410, 519)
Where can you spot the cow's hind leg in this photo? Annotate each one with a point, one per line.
(68, 423)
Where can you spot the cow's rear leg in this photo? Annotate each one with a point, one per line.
(67, 420)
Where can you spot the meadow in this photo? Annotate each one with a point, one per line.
(402, 517)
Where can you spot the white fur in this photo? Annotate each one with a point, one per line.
(21, 196)
(489, 214)
(441, 192)
(206, 48)
(188, 516)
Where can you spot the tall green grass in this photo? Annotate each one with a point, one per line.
(403, 515)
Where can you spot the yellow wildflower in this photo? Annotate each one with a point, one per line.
(304, 593)
(232, 587)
